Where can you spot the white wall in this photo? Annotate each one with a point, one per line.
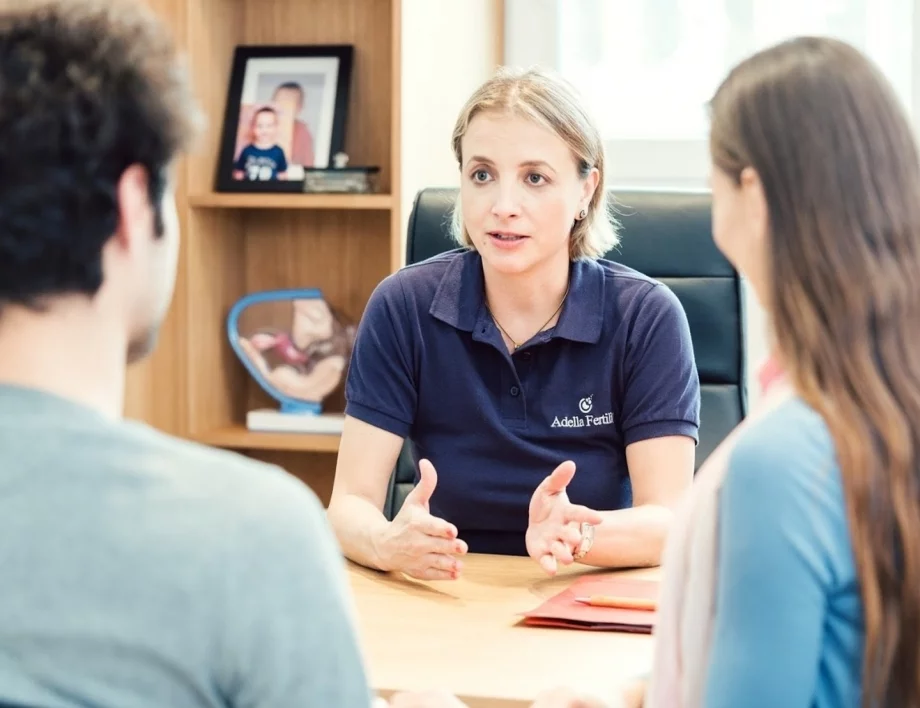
(449, 47)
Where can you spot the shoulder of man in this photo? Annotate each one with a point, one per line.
(288, 625)
(242, 489)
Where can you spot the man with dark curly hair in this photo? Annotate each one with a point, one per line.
(135, 569)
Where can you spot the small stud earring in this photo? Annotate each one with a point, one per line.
(582, 214)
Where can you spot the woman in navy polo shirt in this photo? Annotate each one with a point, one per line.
(551, 396)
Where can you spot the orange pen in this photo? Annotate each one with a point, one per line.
(625, 603)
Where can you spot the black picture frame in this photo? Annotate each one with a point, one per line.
(258, 79)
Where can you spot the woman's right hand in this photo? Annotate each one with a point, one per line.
(569, 698)
(419, 544)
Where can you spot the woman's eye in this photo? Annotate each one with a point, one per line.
(534, 178)
(480, 176)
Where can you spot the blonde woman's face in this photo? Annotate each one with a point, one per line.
(520, 192)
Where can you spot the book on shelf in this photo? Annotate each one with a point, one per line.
(270, 420)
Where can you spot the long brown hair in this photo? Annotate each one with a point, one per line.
(840, 172)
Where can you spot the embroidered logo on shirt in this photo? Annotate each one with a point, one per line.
(585, 405)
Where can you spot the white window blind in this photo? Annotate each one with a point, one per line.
(647, 68)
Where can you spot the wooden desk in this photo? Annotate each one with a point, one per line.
(461, 636)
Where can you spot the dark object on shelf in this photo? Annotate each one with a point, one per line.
(340, 178)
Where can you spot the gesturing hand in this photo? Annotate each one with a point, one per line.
(554, 528)
(425, 699)
(417, 543)
(567, 698)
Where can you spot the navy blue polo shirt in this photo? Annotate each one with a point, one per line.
(429, 364)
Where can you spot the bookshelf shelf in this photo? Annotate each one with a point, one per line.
(380, 202)
(239, 438)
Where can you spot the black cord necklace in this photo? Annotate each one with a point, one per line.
(510, 338)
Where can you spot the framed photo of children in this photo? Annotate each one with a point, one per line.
(286, 110)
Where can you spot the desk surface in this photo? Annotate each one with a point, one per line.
(464, 636)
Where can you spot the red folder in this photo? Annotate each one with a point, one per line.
(562, 610)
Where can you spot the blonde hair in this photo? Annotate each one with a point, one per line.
(553, 103)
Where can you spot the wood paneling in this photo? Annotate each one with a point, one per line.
(143, 399)
(215, 27)
(215, 250)
(366, 24)
(397, 247)
(234, 244)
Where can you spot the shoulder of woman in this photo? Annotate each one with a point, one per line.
(787, 452)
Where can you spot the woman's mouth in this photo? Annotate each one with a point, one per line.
(506, 236)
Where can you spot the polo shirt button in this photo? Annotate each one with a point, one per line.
(515, 390)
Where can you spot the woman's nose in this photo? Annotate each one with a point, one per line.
(507, 202)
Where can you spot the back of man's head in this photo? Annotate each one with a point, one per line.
(95, 107)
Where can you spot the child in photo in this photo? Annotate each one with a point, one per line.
(263, 159)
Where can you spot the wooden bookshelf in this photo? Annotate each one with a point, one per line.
(380, 202)
(239, 437)
(234, 244)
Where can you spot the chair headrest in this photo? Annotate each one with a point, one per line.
(663, 234)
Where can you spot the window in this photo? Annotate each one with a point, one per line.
(648, 68)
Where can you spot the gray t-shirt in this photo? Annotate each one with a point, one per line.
(138, 570)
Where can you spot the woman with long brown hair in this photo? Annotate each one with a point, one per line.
(793, 578)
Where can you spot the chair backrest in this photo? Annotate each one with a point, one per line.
(667, 236)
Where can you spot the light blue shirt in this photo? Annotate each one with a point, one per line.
(141, 571)
(788, 628)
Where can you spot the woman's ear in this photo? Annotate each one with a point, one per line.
(755, 202)
(588, 187)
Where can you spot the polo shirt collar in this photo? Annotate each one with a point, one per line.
(459, 296)
(582, 316)
(459, 302)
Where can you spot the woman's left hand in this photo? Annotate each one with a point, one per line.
(568, 698)
(554, 529)
(424, 699)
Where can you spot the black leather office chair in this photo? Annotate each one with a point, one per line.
(667, 236)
